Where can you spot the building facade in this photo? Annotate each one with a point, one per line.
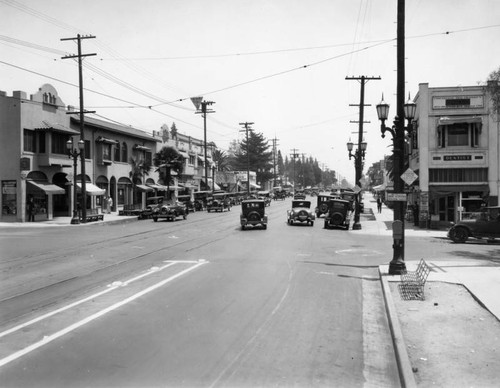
(454, 148)
(35, 164)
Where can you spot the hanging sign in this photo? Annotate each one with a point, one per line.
(196, 102)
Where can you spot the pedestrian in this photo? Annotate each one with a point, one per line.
(110, 204)
(31, 210)
(379, 204)
(415, 213)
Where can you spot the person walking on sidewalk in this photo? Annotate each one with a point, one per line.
(379, 204)
(31, 210)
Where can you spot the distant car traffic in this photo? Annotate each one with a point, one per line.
(151, 204)
(253, 212)
(219, 202)
(483, 225)
(170, 211)
(300, 212)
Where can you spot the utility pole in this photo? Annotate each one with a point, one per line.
(275, 144)
(197, 101)
(294, 155)
(360, 155)
(247, 127)
(81, 113)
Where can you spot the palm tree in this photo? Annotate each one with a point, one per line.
(139, 169)
(222, 160)
(168, 159)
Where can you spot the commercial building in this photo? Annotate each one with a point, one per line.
(454, 150)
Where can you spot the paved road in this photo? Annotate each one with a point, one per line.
(194, 303)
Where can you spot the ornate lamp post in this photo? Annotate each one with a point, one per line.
(398, 131)
(359, 156)
(75, 152)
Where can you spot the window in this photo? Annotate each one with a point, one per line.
(124, 152)
(106, 151)
(458, 175)
(148, 157)
(29, 141)
(41, 142)
(87, 149)
(458, 135)
(117, 151)
(59, 143)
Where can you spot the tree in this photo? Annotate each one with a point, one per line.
(139, 169)
(221, 159)
(493, 87)
(168, 159)
(256, 155)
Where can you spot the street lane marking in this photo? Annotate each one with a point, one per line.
(60, 333)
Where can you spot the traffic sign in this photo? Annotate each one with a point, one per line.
(357, 189)
(409, 176)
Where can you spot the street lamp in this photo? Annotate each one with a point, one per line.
(359, 156)
(398, 132)
(75, 152)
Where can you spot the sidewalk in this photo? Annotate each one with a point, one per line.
(441, 341)
(111, 218)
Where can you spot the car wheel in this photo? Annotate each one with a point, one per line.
(242, 227)
(265, 226)
(460, 235)
(184, 216)
(312, 223)
(155, 219)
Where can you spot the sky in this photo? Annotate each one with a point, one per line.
(280, 64)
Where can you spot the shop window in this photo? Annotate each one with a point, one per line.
(29, 141)
(59, 143)
(458, 135)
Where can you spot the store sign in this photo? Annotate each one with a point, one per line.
(457, 102)
(456, 157)
(398, 197)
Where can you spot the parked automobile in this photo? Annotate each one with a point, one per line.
(339, 214)
(322, 204)
(151, 204)
(186, 200)
(482, 225)
(265, 196)
(170, 211)
(349, 196)
(300, 212)
(253, 212)
(219, 202)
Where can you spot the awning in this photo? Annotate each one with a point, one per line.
(157, 187)
(144, 188)
(459, 120)
(48, 188)
(141, 147)
(445, 189)
(215, 185)
(91, 189)
(102, 139)
(381, 187)
(48, 126)
(187, 186)
(184, 154)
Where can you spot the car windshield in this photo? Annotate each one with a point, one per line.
(306, 204)
(337, 205)
(252, 205)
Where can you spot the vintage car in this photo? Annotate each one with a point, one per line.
(265, 196)
(218, 203)
(300, 212)
(151, 204)
(299, 195)
(170, 211)
(253, 213)
(322, 204)
(186, 200)
(482, 225)
(339, 214)
(349, 196)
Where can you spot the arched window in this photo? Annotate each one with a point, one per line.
(124, 152)
(117, 152)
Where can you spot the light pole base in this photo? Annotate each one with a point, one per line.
(356, 226)
(397, 267)
(75, 221)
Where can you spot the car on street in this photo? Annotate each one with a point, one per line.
(218, 203)
(484, 224)
(151, 204)
(253, 212)
(339, 214)
(322, 204)
(265, 196)
(170, 211)
(300, 212)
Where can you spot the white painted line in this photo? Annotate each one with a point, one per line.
(52, 337)
(113, 286)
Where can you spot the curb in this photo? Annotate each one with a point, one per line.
(403, 360)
